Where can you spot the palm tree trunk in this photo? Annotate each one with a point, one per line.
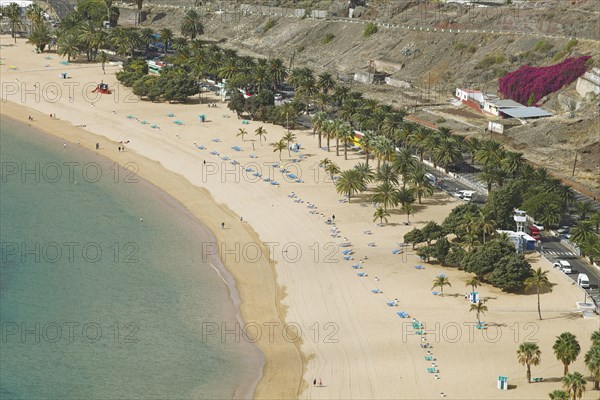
(337, 145)
(538, 296)
(367, 157)
(566, 369)
(319, 139)
(345, 150)
(528, 374)
(327, 142)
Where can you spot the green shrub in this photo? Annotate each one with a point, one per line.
(328, 38)
(543, 47)
(300, 49)
(472, 49)
(460, 46)
(370, 29)
(490, 60)
(570, 44)
(270, 23)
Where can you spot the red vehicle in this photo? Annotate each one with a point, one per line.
(534, 232)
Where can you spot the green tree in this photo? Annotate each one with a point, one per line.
(332, 169)
(40, 36)
(290, 138)
(474, 282)
(166, 37)
(479, 308)
(68, 45)
(317, 123)
(386, 194)
(432, 231)
(13, 12)
(380, 214)
(419, 181)
(349, 183)
(596, 338)
(191, 25)
(441, 281)
(414, 237)
(566, 349)
(592, 361)
(529, 354)
(278, 146)
(261, 132)
(539, 281)
(409, 209)
(575, 385)
(441, 249)
(365, 171)
(582, 232)
(584, 208)
(510, 273)
(241, 133)
(35, 13)
(558, 395)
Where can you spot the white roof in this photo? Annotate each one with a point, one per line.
(526, 112)
(21, 3)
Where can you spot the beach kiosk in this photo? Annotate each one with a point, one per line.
(503, 383)
(474, 297)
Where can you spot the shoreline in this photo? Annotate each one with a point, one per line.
(156, 178)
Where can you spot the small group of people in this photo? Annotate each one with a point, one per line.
(30, 118)
(212, 105)
(320, 382)
(330, 220)
(52, 115)
(121, 148)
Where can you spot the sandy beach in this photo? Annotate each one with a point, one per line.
(303, 303)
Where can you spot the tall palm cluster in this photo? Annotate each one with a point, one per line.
(586, 232)
(566, 350)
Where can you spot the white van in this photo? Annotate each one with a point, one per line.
(583, 281)
(564, 266)
(468, 195)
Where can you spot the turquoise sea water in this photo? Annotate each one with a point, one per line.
(95, 303)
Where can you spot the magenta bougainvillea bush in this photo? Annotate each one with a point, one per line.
(529, 84)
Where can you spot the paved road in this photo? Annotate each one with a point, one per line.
(554, 251)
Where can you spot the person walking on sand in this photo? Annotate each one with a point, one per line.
(222, 225)
(333, 218)
(315, 382)
(320, 382)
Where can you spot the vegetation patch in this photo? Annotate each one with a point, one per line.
(269, 24)
(328, 38)
(532, 83)
(370, 29)
(543, 46)
(490, 60)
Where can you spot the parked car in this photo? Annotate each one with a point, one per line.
(564, 266)
(278, 97)
(538, 225)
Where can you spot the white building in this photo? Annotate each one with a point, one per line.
(495, 106)
(23, 4)
(469, 95)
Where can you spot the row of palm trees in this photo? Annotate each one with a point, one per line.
(566, 350)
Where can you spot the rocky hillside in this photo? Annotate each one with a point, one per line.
(432, 64)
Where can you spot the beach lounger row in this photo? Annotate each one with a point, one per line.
(236, 148)
(396, 251)
(216, 140)
(419, 267)
(252, 156)
(357, 266)
(376, 291)
(361, 274)
(403, 314)
(347, 252)
(432, 370)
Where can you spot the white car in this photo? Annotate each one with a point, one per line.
(564, 266)
(538, 225)
(278, 97)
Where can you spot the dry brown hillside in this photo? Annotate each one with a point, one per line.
(434, 63)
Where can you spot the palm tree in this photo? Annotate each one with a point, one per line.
(540, 281)
(261, 133)
(332, 169)
(346, 134)
(474, 282)
(278, 146)
(13, 12)
(512, 163)
(317, 124)
(242, 132)
(596, 338)
(490, 153)
(486, 224)
(403, 164)
(277, 71)
(40, 36)
(419, 181)
(575, 385)
(108, 4)
(581, 232)
(68, 45)
(336, 129)
(529, 354)
(366, 142)
(289, 137)
(180, 44)
(479, 308)
(147, 36)
(550, 214)
(386, 194)
(441, 281)
(584, 208)
(382, 214)
(592, 361)
(191, 25)
(35, 13)
(288, 110)
(341, 94)
(472, 145)
(349, 183)
(446, 153)
(386, 174)
(566, 349)
(558, 395)
(418, 140)
(470, 240)
(166, 37)
(408, 208)
(325, 82)
(365, 172)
